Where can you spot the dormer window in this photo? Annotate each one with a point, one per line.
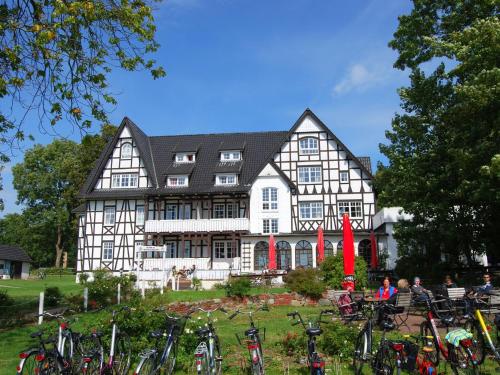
(126, 151)
(230, 155)
(185, 158)
(177, 181)
(308, 146)
(226, 179)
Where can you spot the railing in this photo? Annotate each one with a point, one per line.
(198, 225)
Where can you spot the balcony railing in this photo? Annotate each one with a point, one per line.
(198, 225)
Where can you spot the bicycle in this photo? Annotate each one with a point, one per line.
(64, 357)
(422, 363)
(254, 343)
(156, 360)
(208, 357)
(313, 330)
(461, 357)
(118, 361)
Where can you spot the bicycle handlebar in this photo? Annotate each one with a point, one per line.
(211, 311)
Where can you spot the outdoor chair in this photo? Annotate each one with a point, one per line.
(346, 305)
(402, 309)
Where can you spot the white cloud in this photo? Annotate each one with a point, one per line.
(358, 78)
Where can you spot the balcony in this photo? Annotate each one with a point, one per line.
(198, 225)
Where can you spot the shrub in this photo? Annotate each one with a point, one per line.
(332, 269)
(293, 344)
(238, 287)
(338, 339)
(306, 281)
(53, 296)
(103, 288)
(5, 300)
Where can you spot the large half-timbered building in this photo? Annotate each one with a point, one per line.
(214, 199)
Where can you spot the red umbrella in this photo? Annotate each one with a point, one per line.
(374, 260)
(320, 246)
(272, 254)
(348, 244)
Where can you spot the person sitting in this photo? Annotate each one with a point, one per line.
(486, 288)
(386, 291)
(448, 283)
(403, 286)
(387, 295)
(418, 291)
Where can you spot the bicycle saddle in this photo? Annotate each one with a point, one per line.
(202, 331)
(447, 320)
(387, 325)
(314, 331)
(36, 334)
(251, 331)
(156, 334)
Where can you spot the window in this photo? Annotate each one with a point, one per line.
(283, 255)
(270, 226)
(344, 176)
(219, 248)
(303, 254)
(107, 250)
(231, 210)
(219, 211)
(177, 181)
(139, 215)
(187, 249)
(230, 156)
(311, 210)
(171, 212)
(185, 158)
(109, 216)
(309, 175)
(126, 151)
(226, 179)
(230, 249)
(353, 208)
(187, 212)
(261, 255)
(124, 180)
(308, 146)
(270, 199)
(171, 249)
(365, 251)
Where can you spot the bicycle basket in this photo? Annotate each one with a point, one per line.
(411, 350)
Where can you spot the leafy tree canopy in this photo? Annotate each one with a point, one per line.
(56, 56)
(444, 149)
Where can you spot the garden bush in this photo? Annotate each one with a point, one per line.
(332, 270)
(5, 300)
(306, 281)
(293, 344)
(104, 287)
(238, 287)
(53, 296)
(338, 339)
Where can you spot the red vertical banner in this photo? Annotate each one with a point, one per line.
(320, 246)
(272, 253)
(374, 255)
(348, 251)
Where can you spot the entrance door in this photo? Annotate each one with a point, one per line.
(17, 268)
(171, 249)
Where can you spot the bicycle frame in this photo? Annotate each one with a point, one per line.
(213, 342)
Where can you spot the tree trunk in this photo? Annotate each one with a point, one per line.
(59, 249)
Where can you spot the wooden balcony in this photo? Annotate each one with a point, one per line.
(198, 225)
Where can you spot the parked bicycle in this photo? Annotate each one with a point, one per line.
(64, 356)
(461, 355)
(208, 354)
(313, 330)
(118, 361)
(162, 356)
(253, 341)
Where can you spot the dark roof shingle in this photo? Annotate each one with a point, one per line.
(13, 252)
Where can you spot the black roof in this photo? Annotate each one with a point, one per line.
(158, 154)
(13, 252)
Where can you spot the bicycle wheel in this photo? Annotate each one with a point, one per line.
(147, 364)
(28, 365)
(425, 330)
(202, 364)
(217, 370)
(461, 363)
(258, 363)
(123, 352)
(479, 347)
(169, 365)
(361, 352)
(67, 351)
(384, 362)
(49, 365)
(93, 355)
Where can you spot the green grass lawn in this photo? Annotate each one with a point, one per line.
(32, 288)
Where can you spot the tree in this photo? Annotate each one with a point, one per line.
(444, 149)
(43, 183)
(56, 57)
(1, 188)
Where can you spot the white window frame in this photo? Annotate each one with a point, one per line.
(230, 155)
(219, 208)
(139, 215)
(124, 180)
(309, 146)
(177, 181)
(270, 226)
(168, 211)
(184, 157)
(224, 249)
(224, 179)
(106, 249)
(306, 173)
(109, 216)
(127, 155)
(344, 174)
(270, 199)
(310, 210)
(353, 208)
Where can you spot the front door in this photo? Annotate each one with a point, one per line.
(17, 268)
(223, 253)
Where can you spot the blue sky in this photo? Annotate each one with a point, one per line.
(235, 65)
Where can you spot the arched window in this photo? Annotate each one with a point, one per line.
(303, 254)
(328, 249)
(284, 255)
(340, 247)
(365, 250)
(126, 151)
(261, 255)
(308, 146)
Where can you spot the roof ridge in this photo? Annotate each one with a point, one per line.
(207, 134)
